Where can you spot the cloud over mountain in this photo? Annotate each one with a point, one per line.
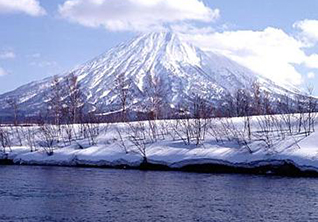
(309, 30)
(135, 15)
(271, 52)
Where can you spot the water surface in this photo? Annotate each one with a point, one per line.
(33, 193)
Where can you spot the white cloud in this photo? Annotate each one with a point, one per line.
(312, 61)
(43, 64)
(309, 30)
(270, 52)
(30, 7)
(2, 72)
(135, 15)
(311, 75)
(7, 55)
(191, 29)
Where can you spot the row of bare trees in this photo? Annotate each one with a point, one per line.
(62, 125)
(65, 100)
(262, 121)
(50, 137)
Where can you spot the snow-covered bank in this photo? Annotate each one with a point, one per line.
(268, 166)
(116, 146)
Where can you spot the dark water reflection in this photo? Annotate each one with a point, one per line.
(83, 194)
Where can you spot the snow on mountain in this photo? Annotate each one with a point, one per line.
(183, 71)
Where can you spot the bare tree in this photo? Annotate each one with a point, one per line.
(93, 128)
(233, 133)
(47, 138)
(5, 139)
(75, 98)
(122, 142)
(256, 98)
(122, 89)
(266, 127)
(301, 112)
(201, 113)
(286, 113)
(182, 126)
(243, 106)
(139, 136)
(267, 107)
(311, 108)
(230, 108)
(13, 104)
(156, 94)
(15, 130)
(55, 100)
(30, 137)
(68, 134)
(192, 125)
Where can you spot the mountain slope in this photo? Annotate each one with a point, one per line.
(156, 60)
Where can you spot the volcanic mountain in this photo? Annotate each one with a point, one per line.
(150, 64)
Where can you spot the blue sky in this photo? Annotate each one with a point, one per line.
(41, 38)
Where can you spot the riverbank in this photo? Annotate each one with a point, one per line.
(264, 167)
(225, 146)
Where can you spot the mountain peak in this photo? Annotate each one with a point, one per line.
(162, 35)
(158, 38)
(183, 71)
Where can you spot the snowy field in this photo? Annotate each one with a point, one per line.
(173, 143)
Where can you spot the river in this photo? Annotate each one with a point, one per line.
(35, 193)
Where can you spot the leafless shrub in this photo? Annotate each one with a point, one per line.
(266, 128)
(93, 131)
(214, 130)
(67, 133)
(282, 127)
(163, 129)
(201, 114)
(29, 134)
(153, 130)
(139, 135)
(48, 138)
(183, 129)
(93, 128)
(5, 139)
(234, 133)
(16, 131)
(121, 139)
(311, 107)
(190, 131)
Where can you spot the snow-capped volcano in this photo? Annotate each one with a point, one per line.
(182, 71)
